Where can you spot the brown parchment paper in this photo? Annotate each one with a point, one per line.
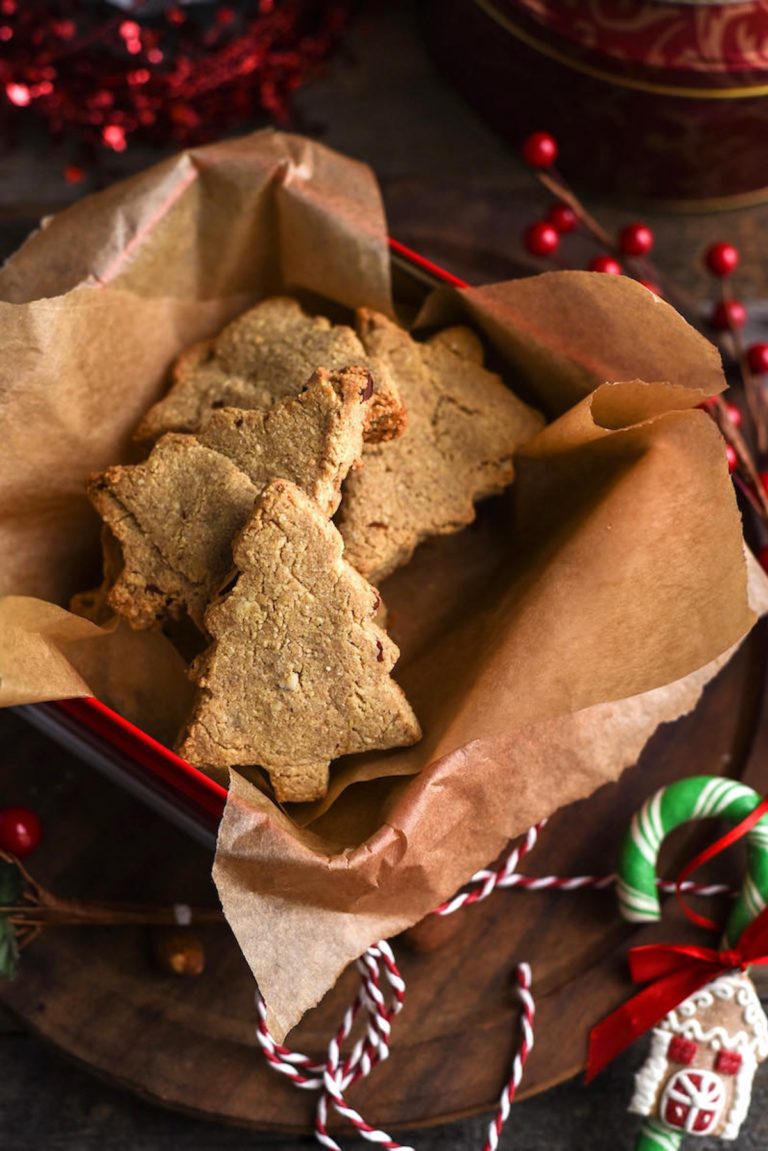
(541, 646)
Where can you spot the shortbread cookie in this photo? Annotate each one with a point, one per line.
(260, 358)
(298, 673)
(174, 517)
(463, 428)
(175, 514)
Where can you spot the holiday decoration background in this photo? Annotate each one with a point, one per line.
(111, 73)
(443, 156)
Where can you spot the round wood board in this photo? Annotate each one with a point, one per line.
(190, 1043)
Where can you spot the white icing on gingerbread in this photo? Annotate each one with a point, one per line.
(649, 1078)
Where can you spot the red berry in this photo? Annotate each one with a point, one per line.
(729, 314)
(540, 150)
(652, 287)
(721, 259)
(541, 239)
(757, 358)
(605, 264)
(636, 240)
(734, 413)
(731, 457)
(763, 478)
(562, 218)
(20, 830)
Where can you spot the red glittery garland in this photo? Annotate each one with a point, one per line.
(181, 74)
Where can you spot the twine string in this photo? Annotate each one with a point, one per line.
(381, 997)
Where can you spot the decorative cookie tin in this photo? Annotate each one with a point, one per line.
(666, 100)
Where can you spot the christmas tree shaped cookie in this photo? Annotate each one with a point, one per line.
(260, 358)
(297, 673)
(463, 428)
(175, 514)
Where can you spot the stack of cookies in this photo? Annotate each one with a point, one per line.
(269, 431)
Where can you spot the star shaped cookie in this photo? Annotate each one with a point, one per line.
(463, 428)
(263, 356)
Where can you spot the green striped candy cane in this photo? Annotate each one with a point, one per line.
(701, 797)
(655, 1136)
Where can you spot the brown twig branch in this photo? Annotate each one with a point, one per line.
(39, 908)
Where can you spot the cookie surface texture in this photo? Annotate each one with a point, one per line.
(263, 356)
(175, 515)
(463, 427)
(298, 672)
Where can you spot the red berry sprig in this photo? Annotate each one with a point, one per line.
(757, 359)
(540, 150)
(541, 239)
(20, 830)
(722, 259)
(605, 264)
(636, 240)
(734, 413)
(728, 314)
(562, 218)
(628, 253)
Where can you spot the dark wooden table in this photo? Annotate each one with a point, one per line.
(457, 194)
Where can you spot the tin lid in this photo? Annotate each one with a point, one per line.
(692, 36)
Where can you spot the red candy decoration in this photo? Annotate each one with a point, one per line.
(20, 830)
(682, 1050)
(762, 557)
(652, 286)
(757, 358)
(729, 314)
(605, 264)
(562, 218)
(731, 457)
(541, 239)
(540, 150)
(721, 259)
(727, 1062)
(636, 240)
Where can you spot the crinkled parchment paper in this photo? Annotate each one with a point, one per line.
(541, 646)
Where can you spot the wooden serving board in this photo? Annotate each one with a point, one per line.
(189, 1044)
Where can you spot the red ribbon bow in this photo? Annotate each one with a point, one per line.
(675, 971)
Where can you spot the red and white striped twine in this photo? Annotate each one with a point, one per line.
(382, 993)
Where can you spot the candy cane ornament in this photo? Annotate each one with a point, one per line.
(697, 1079)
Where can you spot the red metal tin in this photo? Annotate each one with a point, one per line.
(646, 98)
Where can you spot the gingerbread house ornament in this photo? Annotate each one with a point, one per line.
(697, 1079)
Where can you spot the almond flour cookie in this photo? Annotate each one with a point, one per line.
(298, 673)
(175, 514)
(463, 428)
(260, 358)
